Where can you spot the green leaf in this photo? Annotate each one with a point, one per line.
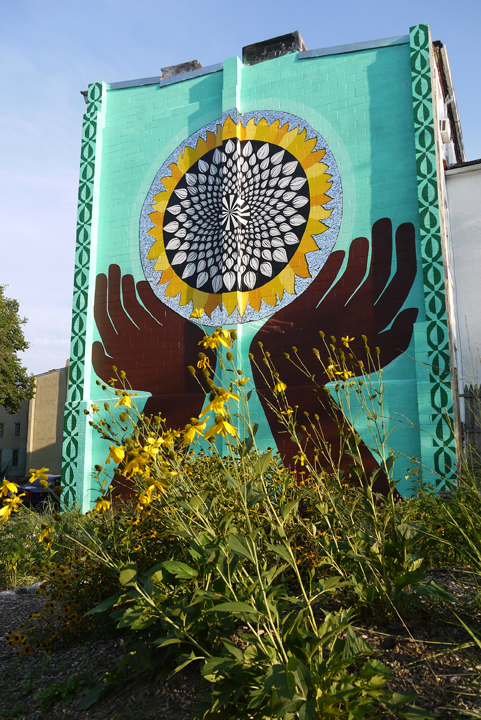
(92, 696)
(105, 604)
(355, 645)
(128, 574)
(238, 545)
(282, 551)
(161, 642)
(180, 570)
(409, 578)
(234, 607)
(432, 589)
(255, 499)
(411, 712)
(196, 501)
(233, 482)
(263, 463)
(287, 509)
(191, 658)
(234, 649)
(410, 531)
(302, 677)
(398, 699)
(468, 630)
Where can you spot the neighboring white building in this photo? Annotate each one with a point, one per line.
(463, 182)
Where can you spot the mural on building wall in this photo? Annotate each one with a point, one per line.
(241, 218)
(239, 225)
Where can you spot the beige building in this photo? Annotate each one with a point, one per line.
(13, 443)
(33, 437)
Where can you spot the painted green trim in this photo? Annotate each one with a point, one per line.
(72, 419)
(438, 421)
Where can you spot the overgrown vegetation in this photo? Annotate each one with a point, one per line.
(225, 558)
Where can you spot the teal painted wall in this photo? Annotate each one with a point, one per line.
(361, 103)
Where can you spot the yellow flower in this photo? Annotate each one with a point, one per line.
(346, 340)
(217, 404)
(7, 487)
(35, 474)
(345, 374)
(219, 337)
(45, 535)
(43, 483)
(287, 412)
(203, 361)
(222, 427)
(11, 505)
(241, 381)
(300, 457)
(280, 387)
(197, 313)
(191, 430)
(102, 504)
(116, 454)
(125, 400)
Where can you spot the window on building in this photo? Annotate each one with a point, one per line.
(16, 430)
(1, 430)
(15, 455)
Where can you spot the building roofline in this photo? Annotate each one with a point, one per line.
(303, 55)
(444, 70)
(162, 82)
(355, 47)
(464, 167)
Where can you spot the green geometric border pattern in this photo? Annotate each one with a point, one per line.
(80, 292)
(432, 256)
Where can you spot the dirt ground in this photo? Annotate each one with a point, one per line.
(430, 655)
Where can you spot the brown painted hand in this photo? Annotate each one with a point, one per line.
(150, 342)
(352, 306)
(365, 299)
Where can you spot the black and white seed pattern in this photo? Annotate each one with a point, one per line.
(236, 218)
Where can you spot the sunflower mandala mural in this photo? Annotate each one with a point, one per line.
(241, 218)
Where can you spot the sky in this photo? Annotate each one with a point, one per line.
(50, 50)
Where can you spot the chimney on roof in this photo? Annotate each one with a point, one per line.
(273, 48)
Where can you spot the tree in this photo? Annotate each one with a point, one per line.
(16, 385)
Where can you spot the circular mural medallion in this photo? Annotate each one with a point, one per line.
(241, 218)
